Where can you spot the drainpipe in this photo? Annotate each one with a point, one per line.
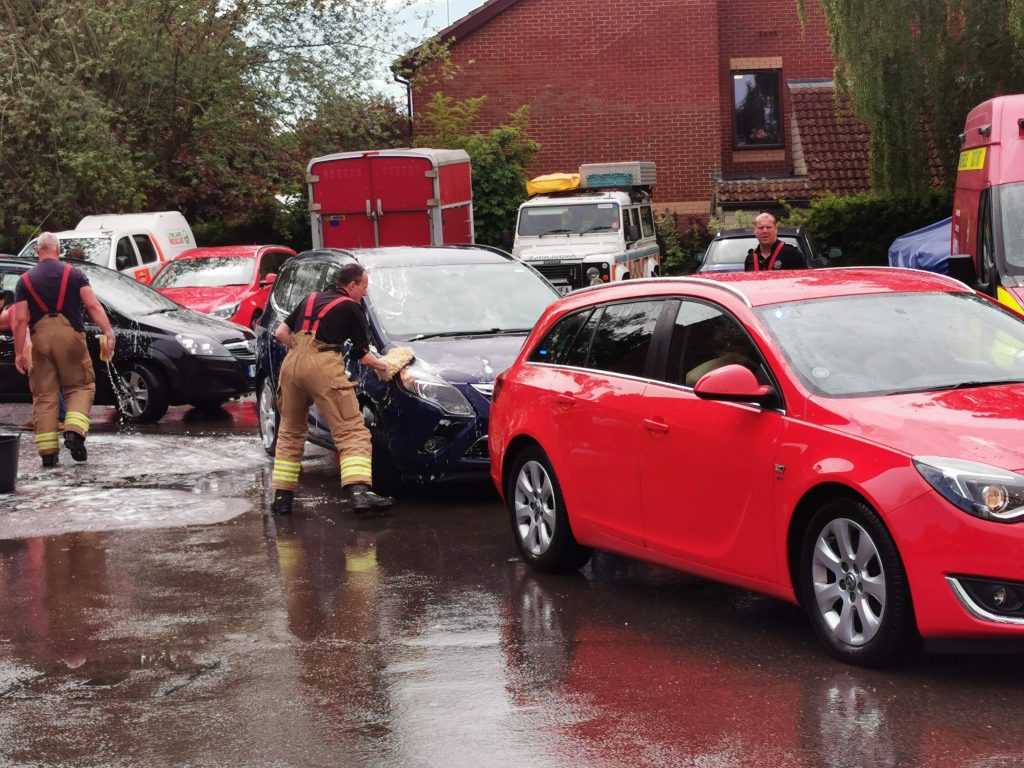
(408, 101)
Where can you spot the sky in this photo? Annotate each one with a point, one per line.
(420, 21)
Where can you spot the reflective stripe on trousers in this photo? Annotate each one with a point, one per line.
(313, 373)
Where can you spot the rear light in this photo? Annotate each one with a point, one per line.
(499, 381)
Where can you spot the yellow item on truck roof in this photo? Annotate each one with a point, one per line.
(552, 182)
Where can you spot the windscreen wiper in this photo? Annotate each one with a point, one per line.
(555, 232)
(959, 385)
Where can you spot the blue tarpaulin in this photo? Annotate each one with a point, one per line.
(926, 248)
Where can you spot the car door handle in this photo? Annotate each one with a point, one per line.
(655, 426)
(565, 399)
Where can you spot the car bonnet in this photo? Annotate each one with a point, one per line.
(980, 424)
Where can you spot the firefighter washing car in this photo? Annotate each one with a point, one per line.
(314, 372)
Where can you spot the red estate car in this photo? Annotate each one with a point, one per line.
(231, 282)
(850, 440)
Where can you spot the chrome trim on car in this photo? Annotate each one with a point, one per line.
(244, 350)
(976, 610)
(487, 390)
(478, 450)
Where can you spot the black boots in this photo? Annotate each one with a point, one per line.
(282, 504)
(75, 443)
(365, 500)
(50, 460)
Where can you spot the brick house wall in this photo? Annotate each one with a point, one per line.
(648, 80)
(766, 34)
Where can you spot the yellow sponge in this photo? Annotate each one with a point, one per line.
(396, 359)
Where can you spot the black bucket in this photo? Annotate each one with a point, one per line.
(8, 462)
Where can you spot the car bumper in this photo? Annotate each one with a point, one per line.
(943, 549)
(212, 378)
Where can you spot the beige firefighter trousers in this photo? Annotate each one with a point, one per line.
(60, 363)
(315, 373)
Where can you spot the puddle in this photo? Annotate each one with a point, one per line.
(134, 481)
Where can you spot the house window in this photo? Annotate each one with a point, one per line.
(757, 109)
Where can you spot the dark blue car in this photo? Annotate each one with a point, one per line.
(464, 310)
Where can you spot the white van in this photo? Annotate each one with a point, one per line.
(599, 232)
(138, 244)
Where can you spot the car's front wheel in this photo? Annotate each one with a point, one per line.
(143, 398)
(540, 524)
(269, 418)
(853, 585)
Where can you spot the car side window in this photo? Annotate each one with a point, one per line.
(647, 220)
(705, 338)
(146, 250)
(305, 279)
(557, 344)
(271, 263)
(125, 256)
(8, 282)
(623, 337)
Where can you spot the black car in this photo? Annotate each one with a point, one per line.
(729, 249)
(464, 310)
(165, 355)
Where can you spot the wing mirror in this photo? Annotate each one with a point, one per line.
(733, 384)
(506, 239)
(268, 280)
(833, 253)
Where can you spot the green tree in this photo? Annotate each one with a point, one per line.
(915, 68)
(129, 105)
(499, 159)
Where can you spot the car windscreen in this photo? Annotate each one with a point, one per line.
(212, 272)
(451, 299)
(734, 250)
(97, 249)
(897, 342)
(126, 296)
(1011, 221)
(575, 219)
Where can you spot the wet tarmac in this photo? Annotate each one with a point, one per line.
(153, 613)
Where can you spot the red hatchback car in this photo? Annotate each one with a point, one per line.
(850, 440)
(231, 282)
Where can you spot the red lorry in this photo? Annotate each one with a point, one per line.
(987, 240)
(391, 197)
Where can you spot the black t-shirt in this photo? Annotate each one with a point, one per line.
(46, 278)
(789, 258)
(345, 322)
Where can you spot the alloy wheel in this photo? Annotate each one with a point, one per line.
(268, 416)
(137, 393)
(849, 582)
(534, 508)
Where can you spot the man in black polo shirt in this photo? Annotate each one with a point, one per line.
(48, 302)
(771, 253)
(313, 371)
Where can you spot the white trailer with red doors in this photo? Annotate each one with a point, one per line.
(391, 197)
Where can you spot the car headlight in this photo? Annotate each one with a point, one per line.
(226, 312)
(201, 345)
(596, 274)
(434, 390)
(987, 492)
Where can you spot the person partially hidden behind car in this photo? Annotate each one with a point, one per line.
(313, 371)
(726, 346)
(48, 303)
(771, 253)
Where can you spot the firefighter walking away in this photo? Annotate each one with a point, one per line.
(48, 302)
(314, 372)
